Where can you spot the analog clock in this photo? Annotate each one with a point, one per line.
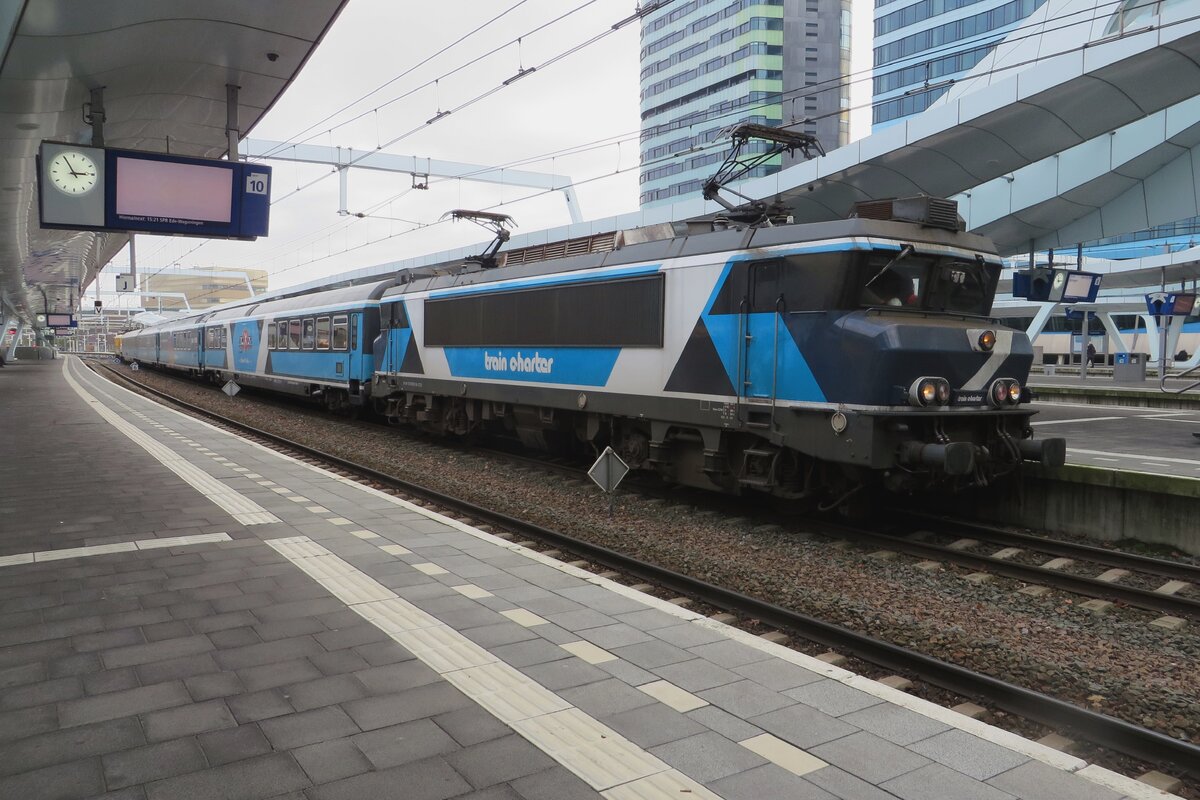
(73, 173)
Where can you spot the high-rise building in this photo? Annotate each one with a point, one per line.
(203, 287)
(922, 48)
(708, 64)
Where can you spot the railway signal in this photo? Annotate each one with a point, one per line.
(608, 472)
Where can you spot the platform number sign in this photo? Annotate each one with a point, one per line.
(256, 183)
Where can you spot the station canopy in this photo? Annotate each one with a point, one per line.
(164, 66)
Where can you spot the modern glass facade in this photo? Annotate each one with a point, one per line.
(921, 48)
(708, 64)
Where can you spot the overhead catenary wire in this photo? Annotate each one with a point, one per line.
(1042, 25)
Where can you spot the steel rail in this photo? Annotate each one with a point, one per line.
(1077, 584)
(1117, 734)
(1083, 552)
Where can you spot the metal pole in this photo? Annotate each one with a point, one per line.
(133, 262)
(232, 131)
(96, 111)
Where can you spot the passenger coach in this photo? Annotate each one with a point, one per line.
(318, 345)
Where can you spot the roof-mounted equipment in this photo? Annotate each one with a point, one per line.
(498, 224)
(738, 164)
(932, 212)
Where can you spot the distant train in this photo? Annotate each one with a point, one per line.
(796, 360)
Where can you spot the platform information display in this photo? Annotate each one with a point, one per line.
(92, 188)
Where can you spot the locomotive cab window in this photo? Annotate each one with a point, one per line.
(322, 333)
(927, 283)
(310, 334)
(893, 281)
(293, 334)
(341, 334)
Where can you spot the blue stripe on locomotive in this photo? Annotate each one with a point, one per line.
(582, 366)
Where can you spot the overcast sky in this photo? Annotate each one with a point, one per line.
(586, 97)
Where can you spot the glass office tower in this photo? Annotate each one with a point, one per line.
(921, 48)
(709, 64)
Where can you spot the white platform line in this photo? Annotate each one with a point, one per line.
(1071, 421)
(1140, 456)
(237, 505)
(42, 556)
(596, 753)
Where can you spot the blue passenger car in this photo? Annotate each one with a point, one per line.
(319, 345)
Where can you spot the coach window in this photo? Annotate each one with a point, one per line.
(282, 344)
(271, 337)
(310, 333)
(294, 334)
(322, 333)
(341, 333)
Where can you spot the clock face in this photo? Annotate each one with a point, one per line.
(73, 173)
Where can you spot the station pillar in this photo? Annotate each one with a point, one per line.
(11, 354)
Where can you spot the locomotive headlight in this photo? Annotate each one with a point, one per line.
(1014, 393)
(987, 340)
(929, 392)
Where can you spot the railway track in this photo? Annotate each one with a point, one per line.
(1184, 607)
(1164, 568)
(1103, 730)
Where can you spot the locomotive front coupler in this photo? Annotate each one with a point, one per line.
(953, 458)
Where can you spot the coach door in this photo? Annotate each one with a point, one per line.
(356, 354)
(760, 327)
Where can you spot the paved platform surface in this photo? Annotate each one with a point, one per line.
(1103, 381)
(198, 617)
(1150, 440)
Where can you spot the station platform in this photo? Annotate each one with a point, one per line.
(1099, 388)
(186, 614)
(1158, 441)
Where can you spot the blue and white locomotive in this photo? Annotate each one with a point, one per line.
(796, 360)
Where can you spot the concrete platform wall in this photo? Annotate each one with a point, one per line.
(1102, 504)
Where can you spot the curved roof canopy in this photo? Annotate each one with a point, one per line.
(164, 66)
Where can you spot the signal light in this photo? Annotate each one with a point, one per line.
(987, 340)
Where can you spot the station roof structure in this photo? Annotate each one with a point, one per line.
(164, 66)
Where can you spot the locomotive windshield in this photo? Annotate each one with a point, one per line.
(927, 283)
(840, 281)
